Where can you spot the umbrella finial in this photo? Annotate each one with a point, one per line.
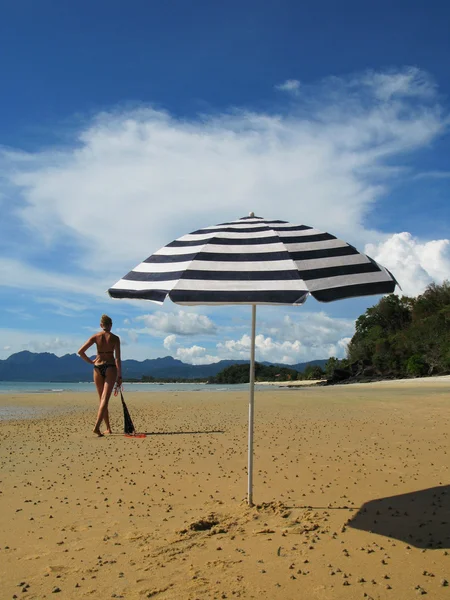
(251, 214)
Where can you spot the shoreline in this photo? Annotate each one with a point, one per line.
(444, 379)
(286, 382)
(36, 404)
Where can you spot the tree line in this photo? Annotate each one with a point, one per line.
(401, 337)
(241, 373)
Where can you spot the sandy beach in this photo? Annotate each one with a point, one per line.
(351, 492)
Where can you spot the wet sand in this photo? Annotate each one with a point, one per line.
(351, 492)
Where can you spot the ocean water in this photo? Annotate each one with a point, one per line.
(48, 387)
(9, 411)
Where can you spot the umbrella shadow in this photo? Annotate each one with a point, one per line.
(182, 432)
(149, 433)
(421, 519)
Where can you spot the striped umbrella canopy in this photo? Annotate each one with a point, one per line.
(254, 261)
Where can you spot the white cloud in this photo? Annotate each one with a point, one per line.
(193, 355)
(170, 343)
(181, 323)
(266, 349)
(411, 82)
(343, 344)
(313, 329)
(414, 264)
(269, 349)
(133, 180)
(291, 340)
(290, 85)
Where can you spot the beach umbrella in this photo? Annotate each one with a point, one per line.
(254, 261)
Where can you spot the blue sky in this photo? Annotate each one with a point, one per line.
(126, 125)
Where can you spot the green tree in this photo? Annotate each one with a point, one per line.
(405, 336)
(241, 374)
(331, 365)
(313, 372)
(416, 366)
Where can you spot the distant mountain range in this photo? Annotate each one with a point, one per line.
(31, 366)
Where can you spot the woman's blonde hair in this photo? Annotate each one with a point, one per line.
(105, 320)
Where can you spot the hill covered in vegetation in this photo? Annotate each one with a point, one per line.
(399, 337)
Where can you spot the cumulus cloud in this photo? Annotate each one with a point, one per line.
(144, 177)
(414, 264)
(343, 345)
(170, 343)
(271, 350)
(181, 323)
(193, 355)
(196, 355)
(266, 349)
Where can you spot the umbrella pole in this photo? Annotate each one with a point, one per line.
(250, 408)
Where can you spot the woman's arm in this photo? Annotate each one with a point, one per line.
(82, 351)
(118, 360)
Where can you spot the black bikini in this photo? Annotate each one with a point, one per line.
(103, 367)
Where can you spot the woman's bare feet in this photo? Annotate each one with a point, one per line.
(97, 432)
(108, 431)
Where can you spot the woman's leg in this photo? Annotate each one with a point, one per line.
(103, 413)
(99, 384)
(111, 377)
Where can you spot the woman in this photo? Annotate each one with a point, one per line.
(107, 368)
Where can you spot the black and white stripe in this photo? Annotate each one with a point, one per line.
(255, 261)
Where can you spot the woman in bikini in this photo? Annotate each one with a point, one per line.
(107, 368)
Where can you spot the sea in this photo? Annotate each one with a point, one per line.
(48, 387)
(10, 411)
